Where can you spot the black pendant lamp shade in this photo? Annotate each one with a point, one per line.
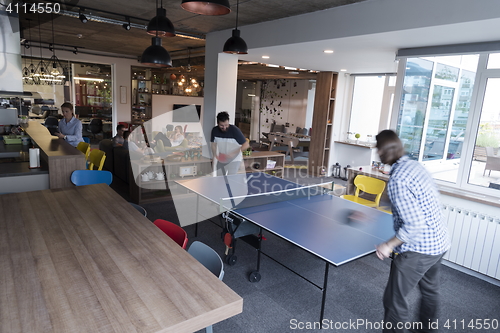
(155, 55)
(160, 25)
(235, 44)
(207, 7)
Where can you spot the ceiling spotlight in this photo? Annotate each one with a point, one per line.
(82, 17)
(27, 44)
(328, 51)
(51, 47)
(126, 26)
(75, 51)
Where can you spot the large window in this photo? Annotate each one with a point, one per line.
(435, 104)
(372, 99)
(449, 118)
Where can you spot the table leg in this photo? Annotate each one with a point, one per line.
(325, 285)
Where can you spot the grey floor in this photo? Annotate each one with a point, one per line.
(354, 292)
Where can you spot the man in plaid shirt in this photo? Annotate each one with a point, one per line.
(421, 237)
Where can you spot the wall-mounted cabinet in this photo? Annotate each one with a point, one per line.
(322, 123)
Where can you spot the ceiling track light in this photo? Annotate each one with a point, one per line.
(82, 17)
(160, 25)
(75, 51)
(207, 7)
(235, 44)
(126, 26)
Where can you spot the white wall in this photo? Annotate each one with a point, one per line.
(284, 101)
(10, 53)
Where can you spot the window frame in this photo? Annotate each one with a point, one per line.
(472, 126)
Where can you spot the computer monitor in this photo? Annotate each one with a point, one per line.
(83, 111)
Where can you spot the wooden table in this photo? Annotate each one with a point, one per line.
(82, 259)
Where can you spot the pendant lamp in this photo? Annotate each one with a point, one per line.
(160, 25)
(206, 7)
(235, 44)
(155, 55)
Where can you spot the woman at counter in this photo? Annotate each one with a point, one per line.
(70, 128)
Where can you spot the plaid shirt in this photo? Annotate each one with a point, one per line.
(416, 209)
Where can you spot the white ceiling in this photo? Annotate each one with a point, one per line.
(373, 53)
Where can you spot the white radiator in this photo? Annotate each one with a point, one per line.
(475, 240)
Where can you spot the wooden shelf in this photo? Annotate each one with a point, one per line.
(324, 107)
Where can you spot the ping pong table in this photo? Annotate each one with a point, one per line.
(319, 224)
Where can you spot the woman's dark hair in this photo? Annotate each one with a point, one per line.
(222, 117)
(390, 147)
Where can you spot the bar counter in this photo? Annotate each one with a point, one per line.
(60, 157)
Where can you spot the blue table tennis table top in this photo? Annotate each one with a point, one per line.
(318, 224)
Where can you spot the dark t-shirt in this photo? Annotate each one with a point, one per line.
(232, 132)
(227, 142)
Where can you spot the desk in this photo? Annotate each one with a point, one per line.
(82, 259)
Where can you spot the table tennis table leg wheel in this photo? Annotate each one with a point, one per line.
(231, 259)
(254, 277)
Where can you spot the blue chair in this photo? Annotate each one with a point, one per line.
(140, 209)
(86, 139)
(210, 259)
(89, 177)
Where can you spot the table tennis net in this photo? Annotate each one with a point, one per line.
(265, 198)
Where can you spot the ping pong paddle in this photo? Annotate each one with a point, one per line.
(222, 158)
(228, 239)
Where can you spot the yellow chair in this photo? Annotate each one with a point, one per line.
(368, 185)
(84, 147)
(96, 159)
(385, 209)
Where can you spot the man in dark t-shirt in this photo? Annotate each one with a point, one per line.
(227, 143)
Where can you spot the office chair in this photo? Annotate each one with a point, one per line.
(95, 126)
(368, 185)
(173, 231)
(52, 124)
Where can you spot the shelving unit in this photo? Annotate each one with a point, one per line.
(154, 190)
(141, 100)
(322, 123)
(257, 161)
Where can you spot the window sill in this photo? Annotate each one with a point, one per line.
(472, 196)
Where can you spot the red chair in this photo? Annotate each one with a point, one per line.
(173, 231)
